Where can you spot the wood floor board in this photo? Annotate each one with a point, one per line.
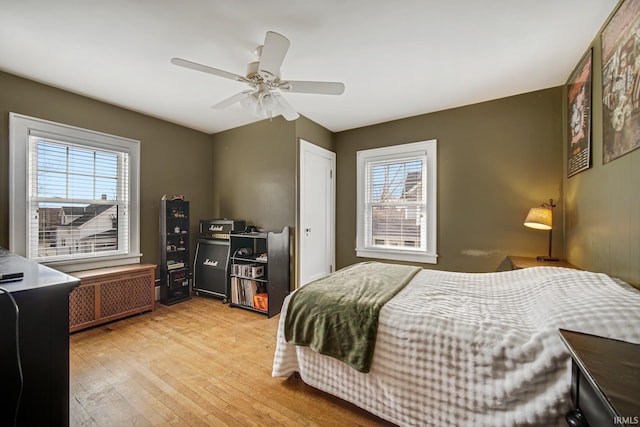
(196, 363)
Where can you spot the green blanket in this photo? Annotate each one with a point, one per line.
(338, 314)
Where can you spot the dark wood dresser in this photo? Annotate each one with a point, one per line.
(42, 297)
(605, 381)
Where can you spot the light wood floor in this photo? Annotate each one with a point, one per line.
(195, 363)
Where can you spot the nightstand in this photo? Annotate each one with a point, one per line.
(518, 262)
(605, 386)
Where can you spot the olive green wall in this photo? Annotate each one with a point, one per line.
(602, 204)
(255, 173)
(253, 169)
(496, 160)
(174, 159)
(312, 132)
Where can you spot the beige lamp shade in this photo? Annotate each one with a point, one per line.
(539, 218)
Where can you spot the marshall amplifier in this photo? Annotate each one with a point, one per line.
(211, 260)
(210, 268)
(219, 229)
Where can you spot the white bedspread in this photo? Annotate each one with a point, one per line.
(474, 349)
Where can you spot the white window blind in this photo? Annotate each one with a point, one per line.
(78, 200)
(396, 202)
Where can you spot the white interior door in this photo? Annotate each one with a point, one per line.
(316, 230)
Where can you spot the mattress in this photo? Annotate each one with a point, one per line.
(479, 349)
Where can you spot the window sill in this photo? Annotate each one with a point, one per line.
(69, 266)
(398, 255)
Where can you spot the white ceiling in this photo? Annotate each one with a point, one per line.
(396, 58)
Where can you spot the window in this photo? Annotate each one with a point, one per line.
(74, 195)
(397, 202)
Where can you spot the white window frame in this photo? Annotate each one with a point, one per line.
(21, 127)
(400, 152)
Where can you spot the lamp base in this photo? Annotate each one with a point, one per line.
(547, 258)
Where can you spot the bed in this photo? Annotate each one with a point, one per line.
(479, 349)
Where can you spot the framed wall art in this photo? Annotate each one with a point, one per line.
(579, 120)
(621, 82)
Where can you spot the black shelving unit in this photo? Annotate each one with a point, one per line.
(259, 271)
(174, 251)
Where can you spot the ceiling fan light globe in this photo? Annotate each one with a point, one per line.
(251, 104)
(268, 101)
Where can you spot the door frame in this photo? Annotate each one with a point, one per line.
(303, 146)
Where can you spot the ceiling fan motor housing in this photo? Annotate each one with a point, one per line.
(255, 74)
(252, 69)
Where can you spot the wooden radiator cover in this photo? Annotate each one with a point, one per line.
(107, 294)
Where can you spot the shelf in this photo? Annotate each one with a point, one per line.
(261, 261)
(257, 279)
(252, 235)
(174, 247)
(274, 270)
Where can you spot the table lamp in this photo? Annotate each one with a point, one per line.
(541, 218)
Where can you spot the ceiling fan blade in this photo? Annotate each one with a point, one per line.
(273, 52)
(324, 88)
(231, 100)
(288, 112)
(215, 71)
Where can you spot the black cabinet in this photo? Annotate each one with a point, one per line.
(210, 275)
(259, 270)
(174, 251)
(42, 297)
(211, 262)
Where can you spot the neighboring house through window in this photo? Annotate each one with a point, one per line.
(73, 195)
(397, 202)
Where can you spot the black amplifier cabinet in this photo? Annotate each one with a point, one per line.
(211, 260)
(219, 229)
(210, 269)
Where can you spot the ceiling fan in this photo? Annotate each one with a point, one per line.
(264, 99)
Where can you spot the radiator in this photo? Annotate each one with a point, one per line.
(108, 294)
